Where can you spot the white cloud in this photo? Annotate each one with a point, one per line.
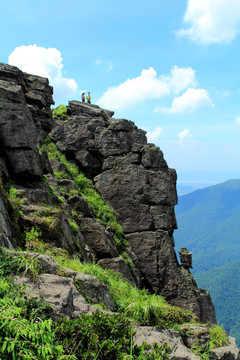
(152, 136)
(211, 21)
(237, 120)
(47, 63)
(190, 101)
(147, 86)
(186, 138)
(180, 79)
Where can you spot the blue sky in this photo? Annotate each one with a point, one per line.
(172, 67)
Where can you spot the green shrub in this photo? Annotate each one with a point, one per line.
(60, 112)
(218, 337)
(23, 334)
(100, 334)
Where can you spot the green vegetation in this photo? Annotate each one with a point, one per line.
(15, 202)
(102, 212)
(134, 303)
(223, 283)
(209, 226)
(28, 332)
(60, 113)
(218, 337)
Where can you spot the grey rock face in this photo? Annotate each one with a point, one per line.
(151, 335)
(131, 175)
(25, 118)
(186, 258)
(229, 352)
(68, 294)
(134, 179)
(5, 229)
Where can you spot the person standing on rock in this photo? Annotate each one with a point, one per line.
(88, 97)
(83, 97)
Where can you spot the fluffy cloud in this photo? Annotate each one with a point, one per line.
(147, 86)
(152, 136)
(186, 139)
(211, 21)
(185, 134)
(47, 63)
(190, 101)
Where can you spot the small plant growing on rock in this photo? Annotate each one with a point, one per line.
(60, 113)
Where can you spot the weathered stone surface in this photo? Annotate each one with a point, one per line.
(152, 157)
(114, 162)
(150, 335)
(24, 105)
(163, 217)
(186, 258)
(58, 291)
(17, 132)
(118, 264)
(90, 287)
(156, 256)
(5, 229)
(193, 335)
(229, 352)
(79, 204)
(98, 239)
(12, 74)
(46, 263)
(68, 293)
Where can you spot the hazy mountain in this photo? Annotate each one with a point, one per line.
(209, 225)
(224, 285)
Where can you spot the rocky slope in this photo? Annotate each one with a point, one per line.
(130, 174)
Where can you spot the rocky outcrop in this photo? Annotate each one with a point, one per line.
(70, 293)
(131, 175)
(73, 293)
(133, 178)
(25, 118)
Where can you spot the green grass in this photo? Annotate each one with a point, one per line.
(27, 331)
(60, 112)
(134, 303)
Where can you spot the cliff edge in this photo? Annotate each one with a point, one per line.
(131, 175)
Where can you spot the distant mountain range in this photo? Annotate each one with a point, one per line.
(209, 226)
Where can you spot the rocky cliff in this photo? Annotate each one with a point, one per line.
(131, 176)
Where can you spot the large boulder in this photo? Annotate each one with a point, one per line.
(25, 118)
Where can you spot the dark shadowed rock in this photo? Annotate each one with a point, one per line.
(186, 258)
(5, 229)
(25, 102)
(90, 287)
(118, 264)
(98, 239)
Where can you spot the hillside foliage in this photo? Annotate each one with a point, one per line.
(209, 226)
